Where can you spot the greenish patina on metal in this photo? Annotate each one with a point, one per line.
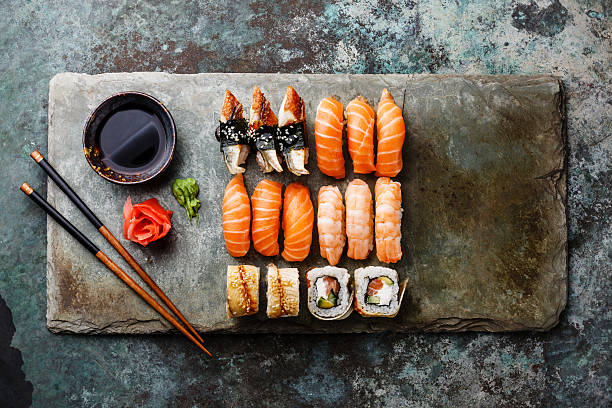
(568, 366)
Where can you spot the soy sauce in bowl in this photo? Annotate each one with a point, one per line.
(129, 138)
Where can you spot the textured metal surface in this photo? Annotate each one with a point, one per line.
(568, 366)
(484, 234)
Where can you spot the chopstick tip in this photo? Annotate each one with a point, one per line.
(25, 187)
(36, 156)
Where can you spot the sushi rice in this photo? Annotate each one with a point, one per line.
(363, 276)
(344, 299)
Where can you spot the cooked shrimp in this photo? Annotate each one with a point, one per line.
(388, 220)
(330, 224)
(359, 221)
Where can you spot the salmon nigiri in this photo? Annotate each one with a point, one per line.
(390, 133)
(359, 225)
(360, 133)
(328, 136)
(388, 221)
(330, 223)
(266, 202)
(236, 217)
(298, 219)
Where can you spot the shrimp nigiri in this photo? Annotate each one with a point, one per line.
(390, 133)
(266, 202)
(328, 136)
(298, 219)
(360, 133)
(263, 127)
(330, 223)
(359, 222)
(236, 217)
(232, 134)
(388, 220)
(292, 138)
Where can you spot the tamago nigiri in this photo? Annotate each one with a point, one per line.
(298, 220)
(328, 135)
(236, 217)
(390, 133)
(359, 221)
(330, 224)
(388, 220)
(360, 133)
(266, 202)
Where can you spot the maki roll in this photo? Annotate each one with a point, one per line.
(292, 139)
(263, 127)
(283, 292)
(329, 295)
(378, 292)
(242, 290)
(232, 134)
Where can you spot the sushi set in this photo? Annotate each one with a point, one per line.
(378, 288)
(415, 202)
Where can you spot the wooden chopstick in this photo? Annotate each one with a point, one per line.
(54, 175)
(91, 247)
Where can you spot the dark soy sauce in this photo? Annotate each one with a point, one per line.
(131, 140)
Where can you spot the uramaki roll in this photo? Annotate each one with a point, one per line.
(329, 293)
(378, 291)
(283, 292)
(242, 290)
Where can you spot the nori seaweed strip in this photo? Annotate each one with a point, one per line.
(233, 132)
(292, 137)
(264, 138)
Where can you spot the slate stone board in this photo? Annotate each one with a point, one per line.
(484, 227)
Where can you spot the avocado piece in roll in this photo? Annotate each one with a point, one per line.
(380, 291)
(329, 293)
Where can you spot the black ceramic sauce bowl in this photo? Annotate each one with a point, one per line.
(129, 138)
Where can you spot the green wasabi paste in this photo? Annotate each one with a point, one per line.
(185, 192)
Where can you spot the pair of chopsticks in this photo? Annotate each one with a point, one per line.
(91, 247)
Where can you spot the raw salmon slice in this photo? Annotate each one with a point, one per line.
(390, 133)
(236, 217)
(328, 137)
(298, 219)
(360, 132)
(267, 202)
